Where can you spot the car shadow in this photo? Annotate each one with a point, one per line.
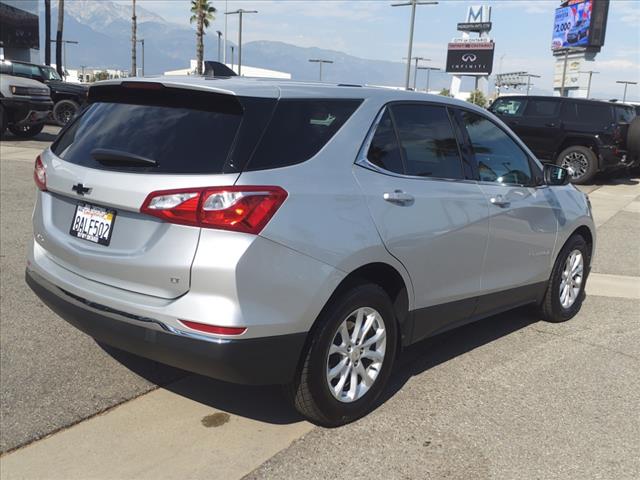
(269, 403)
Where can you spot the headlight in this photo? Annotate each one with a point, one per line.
(27, 91)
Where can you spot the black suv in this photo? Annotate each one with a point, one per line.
(585, 136)
(67, 98)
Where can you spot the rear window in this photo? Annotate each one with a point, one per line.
(624, 114)
(299, 129)
(178, 139)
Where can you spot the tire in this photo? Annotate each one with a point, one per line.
(581, 161)
(310, 391)
(26, 131)
(552, 308)
(3, 121)
(64, 111)
(633, 138)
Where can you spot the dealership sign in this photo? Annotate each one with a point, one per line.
(471, 58)
(478, 19)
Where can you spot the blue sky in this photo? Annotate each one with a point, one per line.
(373, 29)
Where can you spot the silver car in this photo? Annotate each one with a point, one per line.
(272, 232)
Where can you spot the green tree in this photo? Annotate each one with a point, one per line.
(445, 92)
(203, 13)
(478, 98)
(103, 75)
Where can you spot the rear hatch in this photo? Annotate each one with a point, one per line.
(131, 140)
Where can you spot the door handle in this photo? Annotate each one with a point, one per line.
(398, 197)
(500, 201)
(550, 124)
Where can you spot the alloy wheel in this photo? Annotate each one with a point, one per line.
(576, 163)
(571, 280)
(356, 355)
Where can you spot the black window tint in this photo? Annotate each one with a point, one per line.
(542, 108)
(569, 112)
(499, 158)
(29, 71)
(384, 151)
(299, 129)
(508, 107)
(180, 140)
(594, 113)
(427, 140)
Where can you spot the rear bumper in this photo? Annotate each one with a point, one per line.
(253, 361)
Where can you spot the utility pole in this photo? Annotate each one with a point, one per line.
(232, 49)
(141, 42)
(590, 72)
(564, 72)
(415, 74)
(320, 61)
(529, 76)
(412, 4)
(224, 42)
(219, 35)
(240, 12)
(626, 84)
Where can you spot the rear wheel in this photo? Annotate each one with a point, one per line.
(64, 111)
(581, 162)
(565, 291)
(349, 358)
(26, 131)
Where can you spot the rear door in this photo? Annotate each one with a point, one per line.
(124, 146)
(523, 217)
(430, 217)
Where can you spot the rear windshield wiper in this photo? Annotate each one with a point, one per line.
(107, 156)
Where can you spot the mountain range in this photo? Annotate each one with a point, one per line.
(103, 30)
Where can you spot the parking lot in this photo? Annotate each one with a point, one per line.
(508, 397)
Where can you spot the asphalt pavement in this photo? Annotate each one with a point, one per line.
(508, 397)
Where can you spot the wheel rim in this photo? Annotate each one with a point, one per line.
(577, 163)
(571, 280)
(356, 355)
(65, 114)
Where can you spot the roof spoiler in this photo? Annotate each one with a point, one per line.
(217, 69)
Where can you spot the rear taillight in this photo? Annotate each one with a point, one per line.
(241, 209)
(204, 327)
(40, 175)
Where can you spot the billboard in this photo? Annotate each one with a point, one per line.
(470, 58)
(580, 24)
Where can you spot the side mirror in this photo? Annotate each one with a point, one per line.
(555, 175)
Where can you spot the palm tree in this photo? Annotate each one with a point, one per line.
(59, 38)
(47, 32)
(203, 14)
(134, 25)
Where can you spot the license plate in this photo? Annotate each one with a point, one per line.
(93, 223)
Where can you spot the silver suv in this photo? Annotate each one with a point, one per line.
(268, 232)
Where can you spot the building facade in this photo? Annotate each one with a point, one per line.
(19, 30)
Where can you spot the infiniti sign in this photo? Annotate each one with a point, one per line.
(469, 57)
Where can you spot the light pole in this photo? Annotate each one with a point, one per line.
(626, 84)
(529, 76)
(413, 4)
(219, 35)
(64, 53)
(590, 72)
(428, 69)
(232, 49)
(141, 42)
(320, 61)
(240, 12)
(415, 74)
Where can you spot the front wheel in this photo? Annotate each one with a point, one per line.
(565, 291)
(64, 111)
(349, 359)
(581, 162)
(26, 131)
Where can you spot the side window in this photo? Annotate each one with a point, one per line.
(594, 113)
(624, 114)
(569, 113)
(427, 140)
(499, 158)
(384, 151)
(508, 107)
(542, 108)
(25, 70)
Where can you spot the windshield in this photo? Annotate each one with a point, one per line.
(50, 74)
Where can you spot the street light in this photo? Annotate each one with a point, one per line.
(415, 74)
(141, 41)
(240, 12)
(320, 61)
(413, 4)
(428, 69)
(219, 35)
(590, 72)
(626, 84)
(529, 76)
(64, 53)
